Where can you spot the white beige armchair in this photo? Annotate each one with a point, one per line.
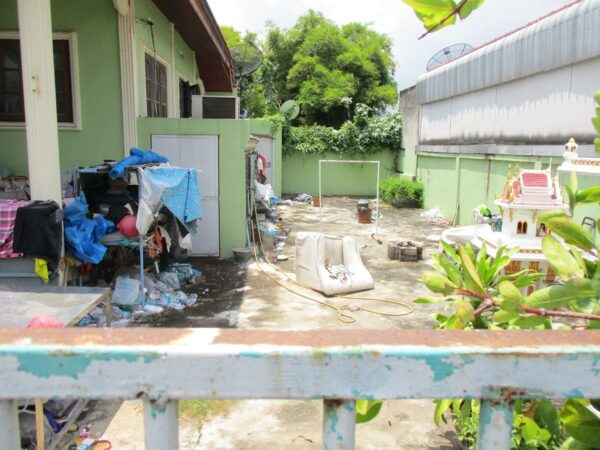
(330, 264)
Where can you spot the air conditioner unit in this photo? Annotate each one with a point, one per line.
(215, 107)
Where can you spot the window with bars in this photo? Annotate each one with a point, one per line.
(12, 107)
(156, 87)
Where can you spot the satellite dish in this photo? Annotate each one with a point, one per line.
(290, 109)
(247, 58)
(448, 54)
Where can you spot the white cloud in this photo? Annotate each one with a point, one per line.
(392, 17)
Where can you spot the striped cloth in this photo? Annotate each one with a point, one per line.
(8, 215)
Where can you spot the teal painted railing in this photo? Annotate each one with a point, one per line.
(166, 365)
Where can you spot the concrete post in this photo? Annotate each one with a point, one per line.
(37, 64)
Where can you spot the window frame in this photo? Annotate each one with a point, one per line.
(148, 51)
(71, 38)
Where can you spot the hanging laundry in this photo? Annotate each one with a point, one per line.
(138, 156)
(38, 231)
(41, 269)
(174, 187)
(8, 216)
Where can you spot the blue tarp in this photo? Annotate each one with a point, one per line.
(138, 156)
(82, 235)
(179, 192)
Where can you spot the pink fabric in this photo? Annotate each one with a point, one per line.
(8, 215)
(45, 322)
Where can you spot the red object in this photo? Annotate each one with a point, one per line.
(127, 226)
(535, 180)
(45, 322)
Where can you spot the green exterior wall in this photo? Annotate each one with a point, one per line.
(475, 180)
(101, 134)
(182, 59)
(233, 136)
(301, 173)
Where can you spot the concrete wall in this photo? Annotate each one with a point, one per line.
(233, 136)
(301, 173)
(459, 183)
(101, 133)
(411, 122)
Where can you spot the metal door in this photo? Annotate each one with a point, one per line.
(198, 152)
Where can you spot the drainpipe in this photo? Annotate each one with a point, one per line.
(41, 123)
(458, 172)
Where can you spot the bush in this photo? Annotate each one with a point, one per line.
(365, 134)
(401, 192)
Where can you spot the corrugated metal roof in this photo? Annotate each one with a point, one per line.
(564, 37)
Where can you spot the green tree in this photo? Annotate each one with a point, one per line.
(255, 89)
(330, 69)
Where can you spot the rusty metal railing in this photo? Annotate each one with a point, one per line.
(163, 366)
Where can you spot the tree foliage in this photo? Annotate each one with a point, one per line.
(330, 69)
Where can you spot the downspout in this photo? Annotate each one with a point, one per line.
(458, 173)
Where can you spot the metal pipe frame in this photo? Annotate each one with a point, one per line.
(348, 161)
(166, 365)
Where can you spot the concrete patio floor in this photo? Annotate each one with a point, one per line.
(242, 296)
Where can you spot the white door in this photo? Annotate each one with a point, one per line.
(265, 148)
(198, 152)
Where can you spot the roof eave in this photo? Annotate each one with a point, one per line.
(196, 24)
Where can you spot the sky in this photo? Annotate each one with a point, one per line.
(392, 17)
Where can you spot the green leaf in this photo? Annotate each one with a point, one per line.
(503, 316)
(590, 195)
(580, 423)
(469, 7)
(572, 444)
(449, 250)
(441, 406)
(571, 232)
(367, 410)
(510, 292)
(528, 323)
(465, 312)
(547, 216)
(438, 283)
(556, 296)
(597, 97)
(546, 416)
(472, 280)
(427, 300)
(531, 432)
(451, 270)
(561, 260)
(435, 14)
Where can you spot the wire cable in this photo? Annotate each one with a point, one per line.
(341, 315)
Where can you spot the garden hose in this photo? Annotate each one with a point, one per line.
(341, 315)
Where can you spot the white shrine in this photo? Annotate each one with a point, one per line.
(526, 194)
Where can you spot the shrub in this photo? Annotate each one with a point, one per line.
(401, 192)
(365, 134)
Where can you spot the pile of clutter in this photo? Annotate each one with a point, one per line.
(161, 291)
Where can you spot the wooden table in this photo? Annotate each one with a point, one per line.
(18, 305)
(68, 305)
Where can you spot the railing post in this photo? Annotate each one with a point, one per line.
(161, 424)
(339, 424)
(9, 424)
(495, 425)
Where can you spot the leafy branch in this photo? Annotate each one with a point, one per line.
(437, 14)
